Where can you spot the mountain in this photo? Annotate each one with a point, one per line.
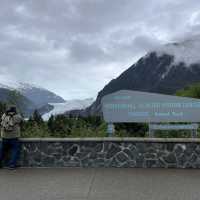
(61, 108)
(164, 70)
(32, 96)
(38, 95)
(14, 97)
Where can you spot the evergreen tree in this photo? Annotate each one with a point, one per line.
(37, 117)
(50, 124)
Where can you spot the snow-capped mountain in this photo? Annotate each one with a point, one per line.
(61, 108)
(38, 95)
(164, 70)
(10, 96)
(8, 85)
(47, 102)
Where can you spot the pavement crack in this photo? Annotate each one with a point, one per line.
(91, 184)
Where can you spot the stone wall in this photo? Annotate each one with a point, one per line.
(111, 152)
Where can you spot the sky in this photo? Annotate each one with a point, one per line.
(75, 47)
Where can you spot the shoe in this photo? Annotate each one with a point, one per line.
(10, 167)
(18, 166)
(1, 165)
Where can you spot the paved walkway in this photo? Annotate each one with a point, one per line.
(99, 184)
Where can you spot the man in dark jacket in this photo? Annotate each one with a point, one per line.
(10, 133)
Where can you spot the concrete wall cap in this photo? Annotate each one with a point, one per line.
(113, 139)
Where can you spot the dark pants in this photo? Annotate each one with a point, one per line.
(12, 146)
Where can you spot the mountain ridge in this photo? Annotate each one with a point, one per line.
(13, 97)
(37, 94)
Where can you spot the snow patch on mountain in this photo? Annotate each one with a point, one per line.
(27, 86)
(186, 51)
(166, 72)
(38, 95)
(15, 85)
(11, 85)
(61, 108)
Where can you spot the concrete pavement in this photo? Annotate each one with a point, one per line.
(99, 184)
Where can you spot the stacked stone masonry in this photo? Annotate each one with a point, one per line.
(111, 152)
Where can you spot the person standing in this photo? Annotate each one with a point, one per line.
(10, 133)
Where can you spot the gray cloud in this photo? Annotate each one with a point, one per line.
(75, 47)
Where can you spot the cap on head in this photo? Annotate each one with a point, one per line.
(11, 108)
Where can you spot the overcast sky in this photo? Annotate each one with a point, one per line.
(75, 47)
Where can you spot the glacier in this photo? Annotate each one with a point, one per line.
(61, 108)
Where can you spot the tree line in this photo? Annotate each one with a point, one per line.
(92, 126)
